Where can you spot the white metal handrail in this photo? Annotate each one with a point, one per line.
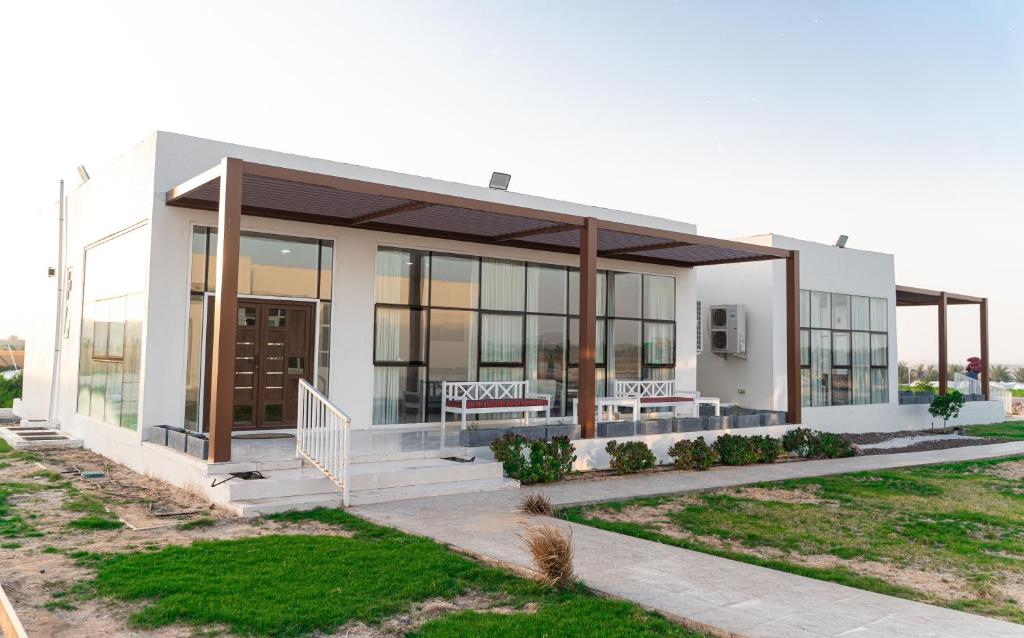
(322, 436)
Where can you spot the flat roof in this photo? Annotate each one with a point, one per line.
(908, 296)
(288, 193)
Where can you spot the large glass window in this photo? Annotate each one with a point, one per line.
(455, 318)
(111, 340)
(844, 349)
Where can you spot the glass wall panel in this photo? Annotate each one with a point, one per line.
(624, 337)
(879, 350)
(574, 342)
(861, 368)
(841, 312)
(624, 292)
(841, 349)
(840, 386)
(502, 284)
(400, 335)
(860, 314)
(501, 338)
(323, 363)
(659, 374)
(879, 385)
(453, 350)
(805, 348)
(326, 269)
(198, 266)
(546, 289)
(805, 386)
(454, 281)
(879, 315)
(821, 310)
(659, 297)
(111, 339)
(545, 358)
(402, 276)
(271, 265)
(600, 294)
(193, 364)
(398, 394)
(821, 365)
(659, 343)
(805, 308)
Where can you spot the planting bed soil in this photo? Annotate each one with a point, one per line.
(870, 443)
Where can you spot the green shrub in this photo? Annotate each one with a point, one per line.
(768, 448)
(534, 461)
(826, 445)
(947, 406)
(10, 389)
(631, 456)
(798, 441)
(735, 450)
(692, 455)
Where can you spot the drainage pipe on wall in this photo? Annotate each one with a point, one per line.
(55, 367)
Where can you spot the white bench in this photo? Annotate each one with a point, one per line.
(491, 397)
(657, 394)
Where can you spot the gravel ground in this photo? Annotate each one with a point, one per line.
(868, 438)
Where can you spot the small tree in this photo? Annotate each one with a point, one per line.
(947, 406)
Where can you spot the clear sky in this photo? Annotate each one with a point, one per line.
(900, 124)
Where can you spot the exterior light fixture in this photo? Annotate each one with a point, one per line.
(83, 174)
(499, 181)
(285, 251)
(841, 242)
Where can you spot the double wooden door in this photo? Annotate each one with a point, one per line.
(273, 350)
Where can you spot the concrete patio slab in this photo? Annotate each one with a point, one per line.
(728, 596)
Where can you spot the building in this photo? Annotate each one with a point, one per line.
(198, 270)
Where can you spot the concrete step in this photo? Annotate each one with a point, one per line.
(409, 456)
(408, 492)
(425, 471)
(281, 483)
(253, 466)
(260, 506)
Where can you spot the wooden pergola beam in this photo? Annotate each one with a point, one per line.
(546, 230)
(404, 208)
(225, 316)
(586, 393)
(639, 249)
(794, 401)
(943, 307)
(983, 321)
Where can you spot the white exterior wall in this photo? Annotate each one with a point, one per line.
(761, 287)
(42, 302)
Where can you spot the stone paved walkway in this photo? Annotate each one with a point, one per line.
(728, 596)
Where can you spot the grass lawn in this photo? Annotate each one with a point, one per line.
(1005, 430)
(951, 535)
(292, 585)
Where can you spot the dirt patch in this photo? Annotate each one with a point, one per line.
(1012, 470)
(647, 515)
(867, 438)
(423, 612)
(800, 496)
(925, 446)
(38, 567)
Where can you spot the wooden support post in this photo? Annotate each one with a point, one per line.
(983, 316)
(943, 344)
(588, 328)
(793, 385)
(225, 317)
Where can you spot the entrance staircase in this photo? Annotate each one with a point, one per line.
(326, 472)
(298, 485)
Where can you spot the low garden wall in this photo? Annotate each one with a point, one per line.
(895, 417)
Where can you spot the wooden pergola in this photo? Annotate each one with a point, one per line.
(907, 296)
(235, 188)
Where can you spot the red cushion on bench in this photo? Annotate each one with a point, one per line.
(665, 399)
(498, 403)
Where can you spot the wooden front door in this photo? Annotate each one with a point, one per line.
(273, 350)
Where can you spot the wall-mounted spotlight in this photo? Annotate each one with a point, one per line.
(499, 181)
(83, 174)
(841, 242)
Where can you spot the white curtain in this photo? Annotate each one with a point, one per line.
(659, 297)
(387, 391)
(392, 276)
(502, 339)
(502, 285)
(861, 367)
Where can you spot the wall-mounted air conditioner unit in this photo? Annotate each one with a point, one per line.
(728, 329)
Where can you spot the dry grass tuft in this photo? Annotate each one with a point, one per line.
(551, 548)
(537, 504)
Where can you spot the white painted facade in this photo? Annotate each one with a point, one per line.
(759, 380)
(131, 192)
